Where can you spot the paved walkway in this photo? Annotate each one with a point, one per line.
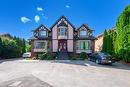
(25, 73)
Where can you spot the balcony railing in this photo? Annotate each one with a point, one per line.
(62, 37)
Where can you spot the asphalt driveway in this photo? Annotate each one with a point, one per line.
(26, 73)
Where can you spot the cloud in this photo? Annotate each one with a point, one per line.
(37, 18)
(39, 9)
(67, 6)
(44, 16)
(25, 19)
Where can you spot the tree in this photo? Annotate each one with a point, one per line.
(28, 48)
(23, 46)
(109, 42)
(13, 46)
(104, 49)
(1, 47)
(123, 39)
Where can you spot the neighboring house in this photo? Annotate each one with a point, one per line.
(62, 36)
(99, 40)
(99, 43)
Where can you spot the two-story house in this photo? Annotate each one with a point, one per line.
(62, 36)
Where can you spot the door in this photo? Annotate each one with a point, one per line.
(62, 45)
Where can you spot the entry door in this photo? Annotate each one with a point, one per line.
(62, 45)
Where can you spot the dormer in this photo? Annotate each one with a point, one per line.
(84, 31)
(41, 32)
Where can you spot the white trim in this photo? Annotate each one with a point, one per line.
(38, 49)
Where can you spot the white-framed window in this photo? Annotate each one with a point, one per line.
(43, 33)
(83, 33)
(84, 45)
(62, 31)
(40, 45)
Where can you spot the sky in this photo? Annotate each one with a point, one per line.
(20, 17)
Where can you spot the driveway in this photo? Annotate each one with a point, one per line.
(27, 73)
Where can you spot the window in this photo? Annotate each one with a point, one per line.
(62, 31)
(83, 33)
(43, 33)
(84, 45)
(40, 45)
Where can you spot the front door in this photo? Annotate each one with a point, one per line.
(62, 45)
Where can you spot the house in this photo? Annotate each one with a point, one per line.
(62, 36)
(99, 40)
(99, 43)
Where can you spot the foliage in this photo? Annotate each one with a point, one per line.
(11, 47)
(42, 56)
(28, 48)
(117, 42)
(47, 56)
(73, 56)
(1, 48)
(104, 49)
(123, 39)
(83, 56)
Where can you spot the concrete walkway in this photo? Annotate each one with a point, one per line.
(25, 73)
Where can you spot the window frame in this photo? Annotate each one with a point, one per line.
(62, 31)
(83, 33)
(84, 43)
(43, 34)
(38, 45)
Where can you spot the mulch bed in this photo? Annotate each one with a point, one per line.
(128, 64)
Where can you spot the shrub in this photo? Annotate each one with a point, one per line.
(42, 56)
(51, 56)
(83, 56)
(124, 54)
(47, 56)
(73, 56)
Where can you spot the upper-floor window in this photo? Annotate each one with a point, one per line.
(43, 33)
(83, 33)
(62, 31)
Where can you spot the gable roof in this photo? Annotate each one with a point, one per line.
(86, 26)
(63, 24)
(40, 27)
(60, 19)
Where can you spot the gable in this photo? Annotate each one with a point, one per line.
(41, 28)
(84, 27)
(65, 20)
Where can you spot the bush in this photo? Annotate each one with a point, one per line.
(75, 57)
(83, 56)
(124, 54)
(51, 56)
(47, 56)
(42, 56)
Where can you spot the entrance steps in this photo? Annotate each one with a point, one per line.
(62, 56)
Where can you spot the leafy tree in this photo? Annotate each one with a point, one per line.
(0, 47)
(23, 46)
(104, 49)
(28, 48)
(11, 47)
(123, 39)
